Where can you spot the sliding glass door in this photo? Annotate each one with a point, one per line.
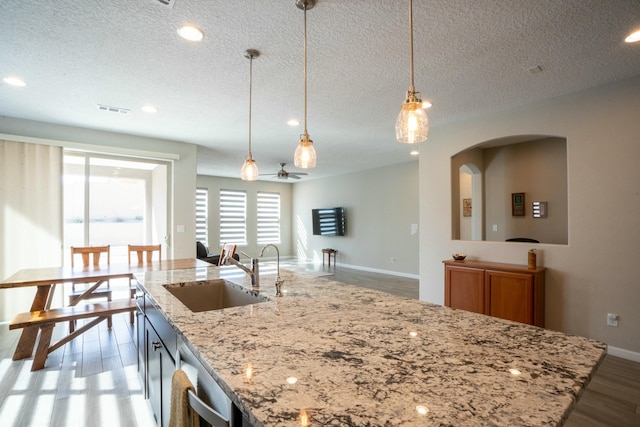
(114, 201)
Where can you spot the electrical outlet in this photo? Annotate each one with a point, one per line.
(612, 319)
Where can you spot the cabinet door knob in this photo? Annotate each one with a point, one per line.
(156, 345)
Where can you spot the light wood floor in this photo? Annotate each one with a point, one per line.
(92, 381)
(396, 285)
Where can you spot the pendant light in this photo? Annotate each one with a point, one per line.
(249, 170)
(412, 125)
(305, 155)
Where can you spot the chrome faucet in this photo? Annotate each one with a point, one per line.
(253, 272)
(279, 281)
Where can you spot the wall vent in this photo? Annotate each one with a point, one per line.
(111, 109)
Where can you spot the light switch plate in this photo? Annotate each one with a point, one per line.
(539, 209)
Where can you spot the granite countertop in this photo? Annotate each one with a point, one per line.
(367, 358)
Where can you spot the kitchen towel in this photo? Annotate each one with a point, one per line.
(181, 413)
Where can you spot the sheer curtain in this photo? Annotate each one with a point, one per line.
(30, 216)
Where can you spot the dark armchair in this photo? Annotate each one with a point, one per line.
(203, 253)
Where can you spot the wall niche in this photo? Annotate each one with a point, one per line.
(485, 176)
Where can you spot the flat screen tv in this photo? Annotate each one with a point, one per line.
(328, 222)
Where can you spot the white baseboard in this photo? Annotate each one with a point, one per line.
(376, 270)
(373, 270)
(624, 354)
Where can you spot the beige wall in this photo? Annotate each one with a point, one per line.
(593, 275)
(215, 184)
(539, 170)
(380, 207)
(463, 165)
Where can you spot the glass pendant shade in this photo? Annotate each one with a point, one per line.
(412, 124)
(305, 155)
(249, 170)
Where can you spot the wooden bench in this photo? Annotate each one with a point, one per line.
(47, 319)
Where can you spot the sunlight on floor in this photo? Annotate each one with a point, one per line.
(63, 394)
(11, 410)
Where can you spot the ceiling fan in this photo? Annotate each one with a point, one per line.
(283, 174)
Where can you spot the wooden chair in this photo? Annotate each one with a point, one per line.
(88, 252)
(144, 255)
(228, 251)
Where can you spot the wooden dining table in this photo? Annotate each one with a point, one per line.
(47, 278)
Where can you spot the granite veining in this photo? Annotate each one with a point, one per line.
(361, 357)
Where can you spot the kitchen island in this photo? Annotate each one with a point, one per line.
(365, 358)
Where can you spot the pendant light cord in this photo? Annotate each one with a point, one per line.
(305, 72)
(412, 88)
(250, 98)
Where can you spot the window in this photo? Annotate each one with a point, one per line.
(233, 217)
(202, 195)
(268, 218)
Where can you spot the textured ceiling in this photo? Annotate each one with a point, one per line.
(471, 58)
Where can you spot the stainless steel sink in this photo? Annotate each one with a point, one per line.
(212, 295)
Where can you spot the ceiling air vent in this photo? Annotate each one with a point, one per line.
(535, 70)
(111, 109)
(166, 3)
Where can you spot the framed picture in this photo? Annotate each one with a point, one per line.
(466, 207)
(517, 204)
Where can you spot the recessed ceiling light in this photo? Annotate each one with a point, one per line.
(14, 81)
(633, 37)
(414, 152)
(293, 122)
(292, 380)
(191, 32)
(422, 410)
(149, 109)
(426, 104)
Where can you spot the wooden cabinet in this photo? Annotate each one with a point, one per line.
(467, 292)
(508, 291)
